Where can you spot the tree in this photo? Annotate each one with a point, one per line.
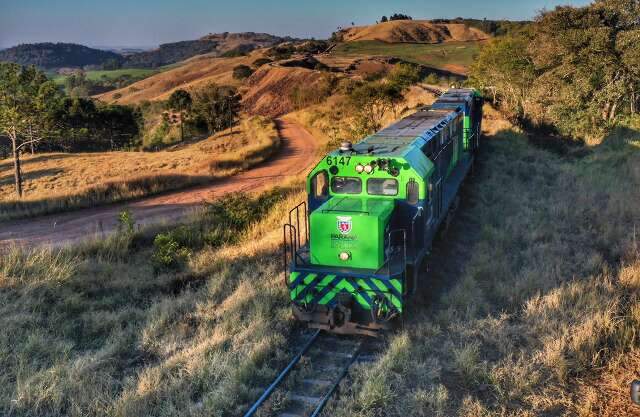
(26, 97)
(371, 101)
(217, 106)
(400, 16)
(180, 103)
(241, 72)
(384, 19)
(404, 75)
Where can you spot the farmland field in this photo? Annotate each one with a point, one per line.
(451, 56)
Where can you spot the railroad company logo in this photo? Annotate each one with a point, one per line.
(344, 224)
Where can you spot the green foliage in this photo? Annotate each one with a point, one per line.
(400, 16)
(404, 75)
(370, 101)
(180, 100)
(167, 252)
(216, 106)
(126, 222)
(241, 72)
(575, 68)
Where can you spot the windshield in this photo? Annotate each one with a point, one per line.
(381, 186)
(346, 185)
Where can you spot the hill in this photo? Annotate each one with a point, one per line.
(215, 44)
(412, 31)
(193, 72)
(56, 55)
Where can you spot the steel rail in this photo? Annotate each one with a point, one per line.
(281, 376)
(336, 384)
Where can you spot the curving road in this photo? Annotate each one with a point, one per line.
(296, 155)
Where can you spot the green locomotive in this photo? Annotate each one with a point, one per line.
(353, 250)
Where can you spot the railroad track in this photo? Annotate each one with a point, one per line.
(305, 386)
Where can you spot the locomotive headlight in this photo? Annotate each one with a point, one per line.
(344, 256)
(368, 169)
(359, 168)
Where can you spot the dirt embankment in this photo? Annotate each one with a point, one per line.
(413, 31)
(270, 88)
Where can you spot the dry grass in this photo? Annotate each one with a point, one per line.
(190, 75)
(413, 31)
(57, 182)
(531, 302)
(531, 309)
(99, 331)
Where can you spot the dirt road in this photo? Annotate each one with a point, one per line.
(297, 154)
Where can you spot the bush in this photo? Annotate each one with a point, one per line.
(167, 252)
(404, 75)
(241, 72)
(432, 79)
(260, 62)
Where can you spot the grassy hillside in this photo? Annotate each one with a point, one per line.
(532, 300)
(55, 182)
(451, 56)
(412, 31)
(191, 74)
(98, 75)
(529, 307)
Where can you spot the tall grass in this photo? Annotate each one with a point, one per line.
(532, 301)
(98, 331)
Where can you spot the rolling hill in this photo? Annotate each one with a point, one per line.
(215, 44)
(56, 55)
(412, 31)
(63, 55)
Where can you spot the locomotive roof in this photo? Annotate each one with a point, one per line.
(417, 128)
(395, 139)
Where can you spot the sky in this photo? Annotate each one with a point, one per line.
(152, 22)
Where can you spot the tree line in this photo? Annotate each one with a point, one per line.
(575, 70)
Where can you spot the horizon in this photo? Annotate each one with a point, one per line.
(110, 25)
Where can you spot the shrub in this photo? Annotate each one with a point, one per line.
(241, 72)
(261, 61)
(167, 252)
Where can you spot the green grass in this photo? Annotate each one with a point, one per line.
(433, 55)
(99, 75)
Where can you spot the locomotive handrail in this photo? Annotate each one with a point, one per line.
(288, 248)
(413, 226)
(296, 209)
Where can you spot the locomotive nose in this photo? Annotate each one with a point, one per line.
(348, 231)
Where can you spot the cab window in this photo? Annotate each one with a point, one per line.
(320, 184)
(381, 186)
(346, 185)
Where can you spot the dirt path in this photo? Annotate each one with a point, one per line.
(297, 154)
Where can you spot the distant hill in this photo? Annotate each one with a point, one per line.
(214, 44)
(56, 55)
(68, 55)
(412, 31)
